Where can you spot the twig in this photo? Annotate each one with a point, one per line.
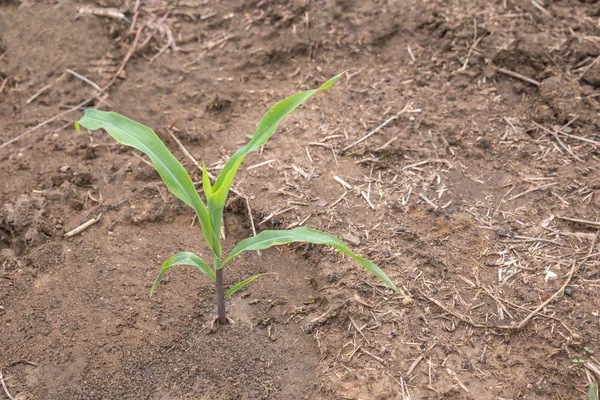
(386, 144)
(586, 69)
(359, 330)
(381, 360)
(42, 90)
(162, 50)
(110, 12)
(3, 84)
(466, 63)
(5, 388)
(28, 131)
(214, 44)
(516, 196)
(453, 375)
(410, 53)
(432, 161)
(518, 237)
(518, 76)
(335, 203)
(458, 315)
(426, 200)
(83, 226)
(583, 139)
(320, 317)
(274, 214)
(251, 220)
(562, 132)
(367, 200)
(342, 182)
(593, 367)
(580, 221)
(541, 8)
(414, 365)
(142, 159)
(86, 80)
(260, 164)
(562, 144)
(368, 135)
(558, 293)
(26, 362)
(127, 57)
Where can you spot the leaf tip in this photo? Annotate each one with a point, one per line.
(332, 81)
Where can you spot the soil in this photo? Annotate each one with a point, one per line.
(488, 139)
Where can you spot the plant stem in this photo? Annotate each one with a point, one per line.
(220, 293)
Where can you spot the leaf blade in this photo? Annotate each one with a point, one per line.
(269, 238)
(140, 137)
(232, 290)
(183, 258)
(264, 130)
(593, 391)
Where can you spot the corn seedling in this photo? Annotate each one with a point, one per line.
(210, 215)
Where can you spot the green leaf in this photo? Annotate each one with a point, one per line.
(241, 284)
(136, 135)
(266, 239)
(206, 186)
(265, 129)
(593, 392)
(183, 258)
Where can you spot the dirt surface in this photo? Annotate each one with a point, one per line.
(485, 138)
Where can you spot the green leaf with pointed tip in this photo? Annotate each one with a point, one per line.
(265, 129)
(183, 258)
(241, 284)
(266, 239)
(206, 186)
(136, 135)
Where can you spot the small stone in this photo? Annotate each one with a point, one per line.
(569, 291)
(353, 240)
(65, 168)
(321, 202)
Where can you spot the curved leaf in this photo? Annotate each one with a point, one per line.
(183, 258)
(265, 129)
(136, 135)
(266, 239)
(241, 284)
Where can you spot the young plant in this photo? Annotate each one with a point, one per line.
(210, 215)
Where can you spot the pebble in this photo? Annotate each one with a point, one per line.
(321, 202)
(353, 240)
(569, 291)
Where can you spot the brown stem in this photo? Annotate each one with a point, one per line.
(222, 317)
